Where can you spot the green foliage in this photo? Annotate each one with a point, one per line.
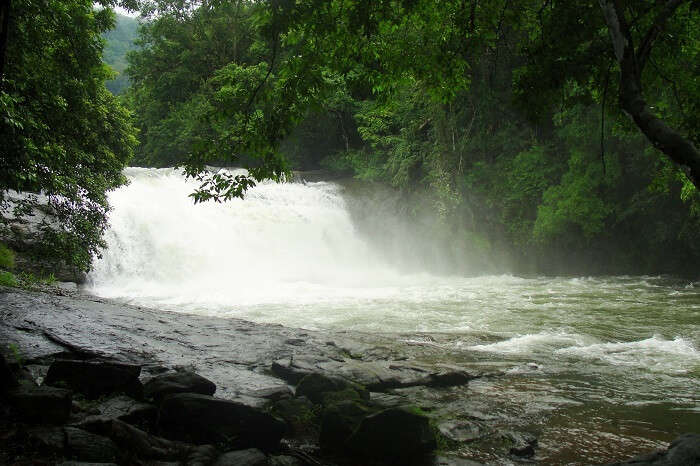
(8, 279)
(65, 137)
(7, 257)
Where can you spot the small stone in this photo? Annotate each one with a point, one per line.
(250, 457)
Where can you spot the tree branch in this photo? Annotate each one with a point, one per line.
(653, 33)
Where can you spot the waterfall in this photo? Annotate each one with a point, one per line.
(281, 242)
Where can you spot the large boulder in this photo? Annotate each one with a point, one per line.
(95, 378)
(338, 423)
(395, 435)
(205, 419)
(177, 382)
(46, 405)
(316, 387)
(86, 446)
(683, 451)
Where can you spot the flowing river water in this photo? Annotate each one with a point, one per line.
(599, 367)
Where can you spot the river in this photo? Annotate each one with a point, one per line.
(597, 367)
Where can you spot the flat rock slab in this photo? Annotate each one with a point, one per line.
(205, 419)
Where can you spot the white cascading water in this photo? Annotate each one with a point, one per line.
(283, 243)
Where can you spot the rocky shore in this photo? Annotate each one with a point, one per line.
(89, 380)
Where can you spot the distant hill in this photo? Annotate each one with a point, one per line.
(120, 40)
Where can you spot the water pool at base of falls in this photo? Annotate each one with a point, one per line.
(590, 361)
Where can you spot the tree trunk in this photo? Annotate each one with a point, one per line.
(669, 141)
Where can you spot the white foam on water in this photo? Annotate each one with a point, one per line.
(655, 354)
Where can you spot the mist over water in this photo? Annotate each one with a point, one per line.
(290, 254)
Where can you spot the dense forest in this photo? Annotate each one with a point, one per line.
(551, 137)
(118, 42)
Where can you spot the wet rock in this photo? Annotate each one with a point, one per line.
(386, 400)
(298, 413)
(41, 404)
(275, 393)
(523, 444)
(203, 455)
(338, 423)
(250, 457)
(684, 450)
(95, 378)
(7, 377)
(129, 410)
(86, 446)
(48, 440)
(83, 463)
(205, 419)
(451, 378)
(395, 435)
(453, 461)
(293, 370)
(143, 445)
(284, 460)
(177, 382)
(317, 386)
(461, 431)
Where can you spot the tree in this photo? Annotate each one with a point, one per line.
(632, 61)
(65, 138)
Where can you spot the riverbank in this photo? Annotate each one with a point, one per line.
(252, 363)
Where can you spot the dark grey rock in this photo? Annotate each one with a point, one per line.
(276, 393)
(338, 423)
(7, 377)
(523, 443)
(395, 435)
(203, 455)
(95, 378)
(141, 444)
(47, 439)
(177, 382)
(462, 431)
(129, 410)
(453, 461)
(293, 370)
(249, 457)
(83, 463)
(205, 419)
(41, 404)
(86, 446)
(298, 413)
(284, 460)
(683, 451)
(316, 386)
